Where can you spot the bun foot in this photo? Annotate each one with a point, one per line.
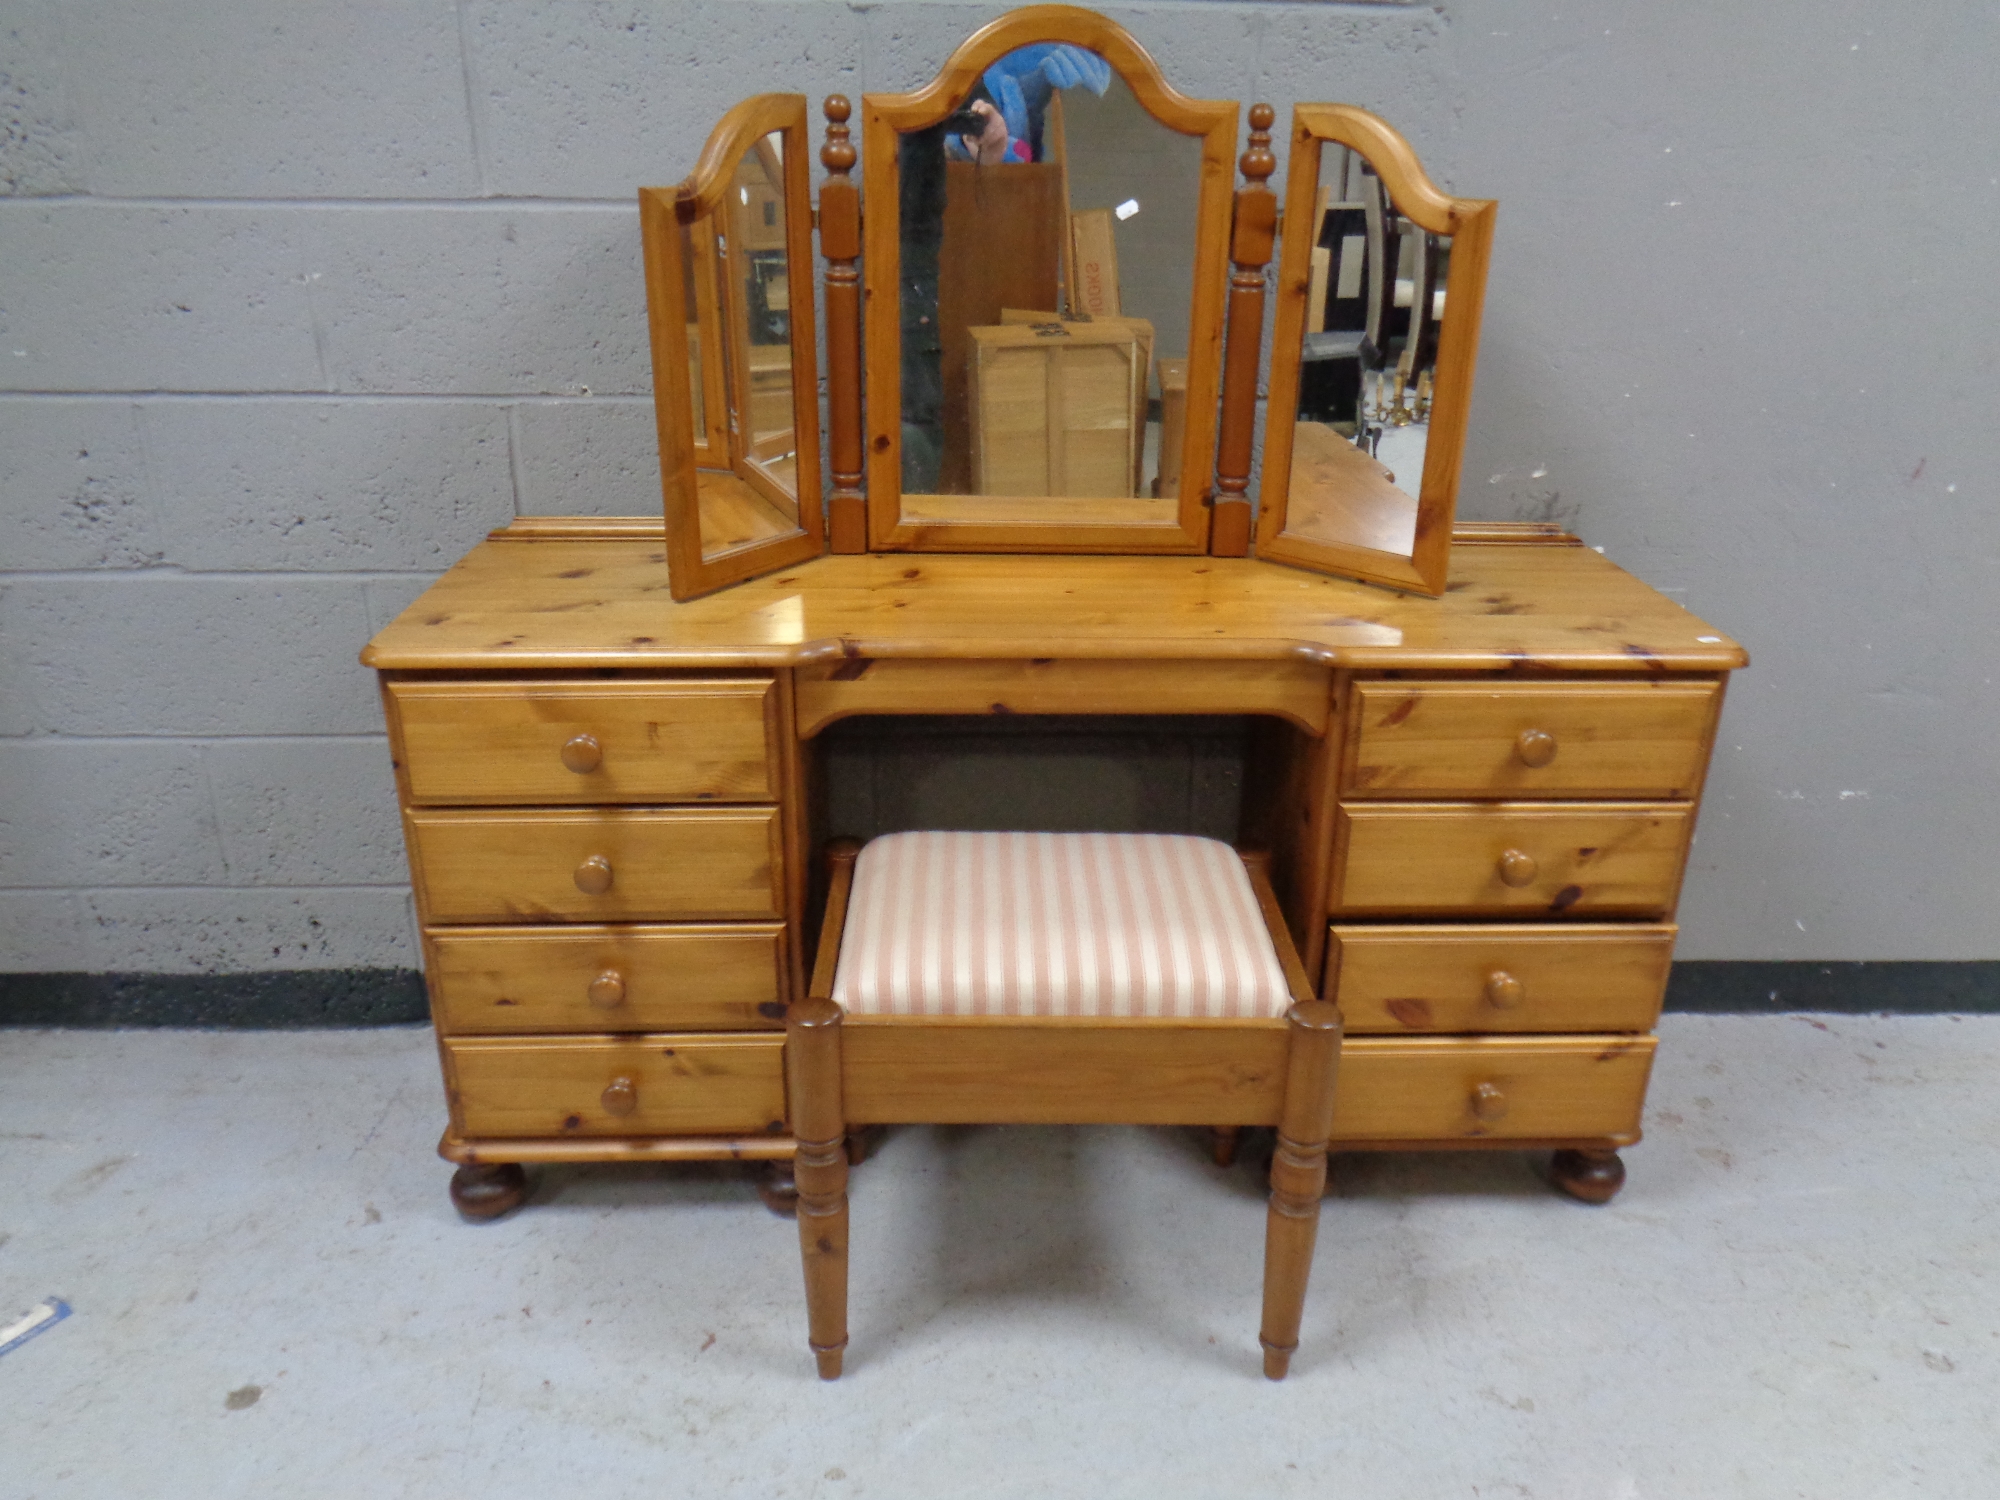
(489, 1190)
(1222, 1141)
(778, 1189)
(1588, 1176)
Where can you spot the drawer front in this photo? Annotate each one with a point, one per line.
(595, 866)
(1491, 1088)
(1498, 978)
(1523, 739)
(716, 978)
(598, 1086)
(477, 742)
(1509, 858)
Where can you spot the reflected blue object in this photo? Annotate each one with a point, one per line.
(1022, 81)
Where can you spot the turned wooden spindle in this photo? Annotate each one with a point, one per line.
(1298, 1177)
(840, 248)
(812, 1045)
(818, 1109)
(1250, 254)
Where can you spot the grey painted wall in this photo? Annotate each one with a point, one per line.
(299, 297)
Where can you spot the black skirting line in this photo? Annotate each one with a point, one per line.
(1911, 987)
(277, 1000)
(298, 998)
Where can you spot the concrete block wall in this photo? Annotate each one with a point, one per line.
(298, 298)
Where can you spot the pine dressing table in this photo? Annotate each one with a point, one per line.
(1478, 807)
(1478, 749)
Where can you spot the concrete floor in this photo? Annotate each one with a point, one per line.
(1798, 1293)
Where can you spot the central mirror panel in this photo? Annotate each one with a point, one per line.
(1044, 313)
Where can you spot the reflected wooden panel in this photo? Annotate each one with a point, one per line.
(735, 515)
(1337, 490)
(1057, 409)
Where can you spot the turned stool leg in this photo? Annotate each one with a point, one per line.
(488, 1189)
(1298, 1177)
(812, 1038)
(1588, 1176)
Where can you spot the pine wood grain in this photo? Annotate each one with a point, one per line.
(495, 980)
(942, 1071)
(1498, 977)
(522, 866)
(561, 604)
(1430, 858)
(661, 741)
(1294, 690)
(1491, 1088)
(557, 1087)
(1517, 739)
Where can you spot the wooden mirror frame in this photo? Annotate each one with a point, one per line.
(1469, 222)
(662, 213)
(885, 117)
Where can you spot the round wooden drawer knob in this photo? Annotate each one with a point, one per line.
(1489, 1101)
(1516, 868)
(620, 1097)
(1504, 991)
(1535, 747)
(608, 989)
(593, 876)
(584, 755)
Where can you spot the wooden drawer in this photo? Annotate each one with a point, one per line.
(1498, 978)
(495, 742)
(1527, 739)
(636, 1086)
(1574, 859)
(506, 979)
(540, 866)
(1491, 1088)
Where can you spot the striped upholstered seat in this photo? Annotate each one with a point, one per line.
(1056, 924)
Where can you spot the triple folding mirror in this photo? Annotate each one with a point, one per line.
(1047, 264)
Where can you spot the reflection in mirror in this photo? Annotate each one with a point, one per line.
(757, 499)
(1374, 307)
(1047, 234)
(691, 301)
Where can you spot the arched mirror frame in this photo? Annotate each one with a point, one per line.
(662, 213)
(885, 117)
(1469, 221)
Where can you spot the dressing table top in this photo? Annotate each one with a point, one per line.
(552, 593)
